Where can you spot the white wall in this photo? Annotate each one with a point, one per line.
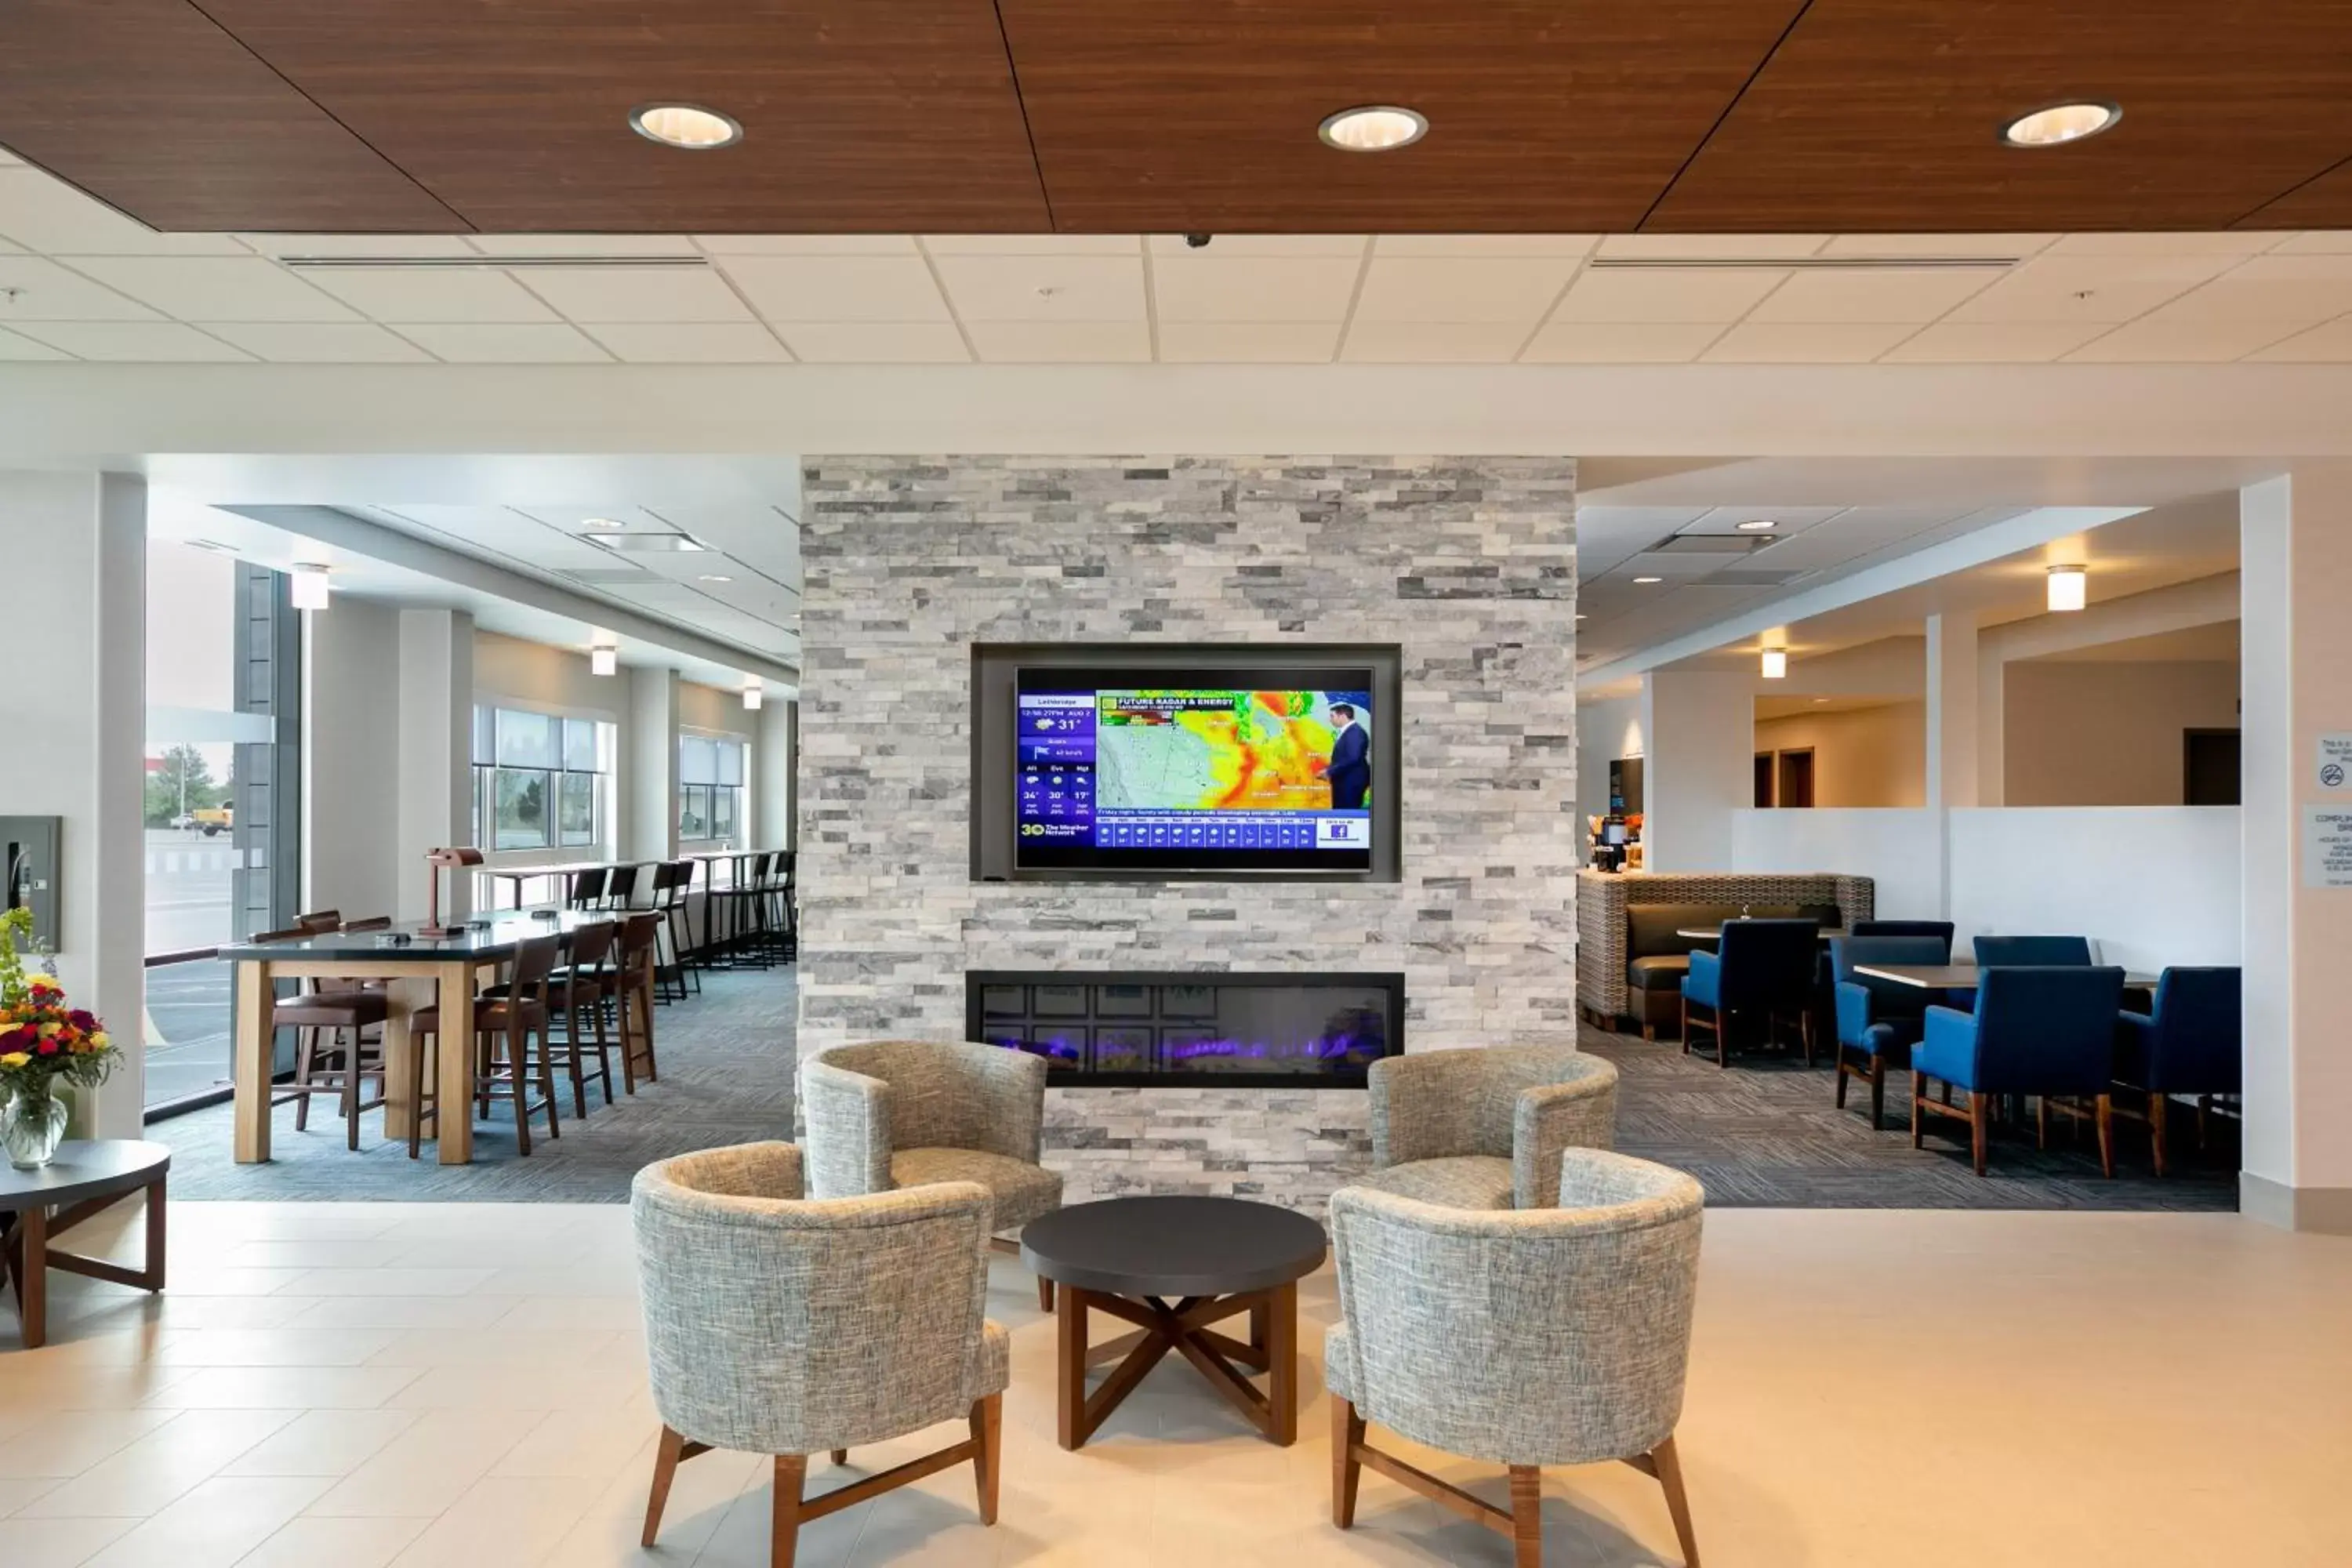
(2108, 732)
(436, 752)
(73, 706)
(647, 806)
(1606, 730)
(1861, 756)
(773, 825)
(351, 772)
(1901, 851)
(1700, 725)
(544, 679)
(2148, 885)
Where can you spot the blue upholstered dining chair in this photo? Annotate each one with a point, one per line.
(2039, 951)
(1759, 970)
(2190, 1042)
(1878, 1021)
(2040, 1031)
(1939, 930)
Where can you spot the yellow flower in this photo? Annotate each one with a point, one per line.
(51, 1027)
(98, 1041)
(14, 1060)
(43, 982)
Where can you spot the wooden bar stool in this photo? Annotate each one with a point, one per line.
(587, 892)
(501, 1043)
(633, 994)
(620, 886)
(577, 991)
(340, 1063)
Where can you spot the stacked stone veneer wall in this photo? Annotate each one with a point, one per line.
(1469, 564)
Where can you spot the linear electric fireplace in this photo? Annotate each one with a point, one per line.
(1202, 1030)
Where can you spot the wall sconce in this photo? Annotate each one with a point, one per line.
(308, 586)
(2069, 587)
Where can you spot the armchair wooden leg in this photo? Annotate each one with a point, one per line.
(1347, 1432)
(2107, 1113)
(840, 1455)
(1980, 1127)
(1686, 1028)
(1918, 1093)
(2155, 1128)
(1527, 1516)
(673, 1449)
(1669, 1469)
(792, 1471)
(1045, 1294)
(988, 1437)
(1877, 1093)
(1839, 1070)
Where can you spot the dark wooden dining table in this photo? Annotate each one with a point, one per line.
(418, 971)
(1954, 976)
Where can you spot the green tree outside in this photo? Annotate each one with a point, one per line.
(184, 783)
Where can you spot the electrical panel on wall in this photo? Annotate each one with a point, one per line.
(35, 872)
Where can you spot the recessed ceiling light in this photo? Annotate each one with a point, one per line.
(2061, 123)
(601, 525)
(684, 125)
(1372, 127)
(715, 577)
(1639, 581)
(1757, 525)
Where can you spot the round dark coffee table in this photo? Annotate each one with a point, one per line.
(1173, 1266)
(36, 1207)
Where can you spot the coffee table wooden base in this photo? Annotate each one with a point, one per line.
(1271, 1349)
(27, 1253)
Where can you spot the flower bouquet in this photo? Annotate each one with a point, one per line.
(41, 1041)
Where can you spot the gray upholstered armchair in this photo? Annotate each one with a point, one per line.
(898, 1113)
(1484, 1128)
(784, 1327)
(1557, 1337)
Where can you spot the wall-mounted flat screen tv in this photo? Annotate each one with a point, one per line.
(1208, 769)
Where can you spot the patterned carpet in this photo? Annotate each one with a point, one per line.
(725, 1060)
(1765, 1135)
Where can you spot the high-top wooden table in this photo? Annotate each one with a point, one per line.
(417, 973)
(1173, 1266)
(38, 1206)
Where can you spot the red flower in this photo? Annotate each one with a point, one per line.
(82, 1018)
(48, 1047)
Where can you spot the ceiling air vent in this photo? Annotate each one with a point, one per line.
(1708, 544)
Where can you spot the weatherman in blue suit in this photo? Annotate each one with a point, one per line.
(1350, 773)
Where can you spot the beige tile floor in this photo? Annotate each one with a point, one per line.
(351, 1387)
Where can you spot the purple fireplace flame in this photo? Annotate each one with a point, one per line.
(1190, 1027)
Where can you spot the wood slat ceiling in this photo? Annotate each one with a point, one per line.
(1100, 116)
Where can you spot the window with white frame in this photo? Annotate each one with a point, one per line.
(709, 789)
(540, 780)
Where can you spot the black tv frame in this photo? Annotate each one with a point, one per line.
(995, 671)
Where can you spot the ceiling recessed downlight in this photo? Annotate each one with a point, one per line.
(2061, 123)
(1757, 525)
(684, 125)
(714, 577)
(1640, 582)
(1372, 127)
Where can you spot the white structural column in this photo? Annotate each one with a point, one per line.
(2295, 561)
(436, 753)
(648, 763)
(1952, 738)
(75, 707)
(1700, 728)
(351, 762)
(771, 772)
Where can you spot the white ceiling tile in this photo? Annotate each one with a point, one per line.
(1872, 296)
(2318, 242)
(762, 537)
(215, 288)
(1671, 565)
(1992, 343)
(2296, 291)
(575, 519)
(357, 244)
(1202, 288)
(1714, 246)
(1666, 295)
(1034, 244)
(838, 288)
(1437, 288)
(47, 215)
(1044, 287)
(2057, 287)
(1484, 245)
(2329, 344)
(1614, 342)
(1725, 521)
(508, 532)
(1015, 342)
(579, 245)
(2215, 242)
(319, 342)
(45, 291)
(21, 348)
(486, 342)
(875, 342)
(1810, 343)
(2167, 340)
(807, 244)
(1242, 342)
(147, 342)
(624, 294)
(1432, 342)
(1244, 245)
(697, 343)
(470, 294)
(1937, 243)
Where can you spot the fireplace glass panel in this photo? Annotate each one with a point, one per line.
(1304, 1031)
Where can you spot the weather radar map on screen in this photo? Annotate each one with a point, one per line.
(1212, 770)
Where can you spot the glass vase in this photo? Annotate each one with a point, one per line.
(31, 1129)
